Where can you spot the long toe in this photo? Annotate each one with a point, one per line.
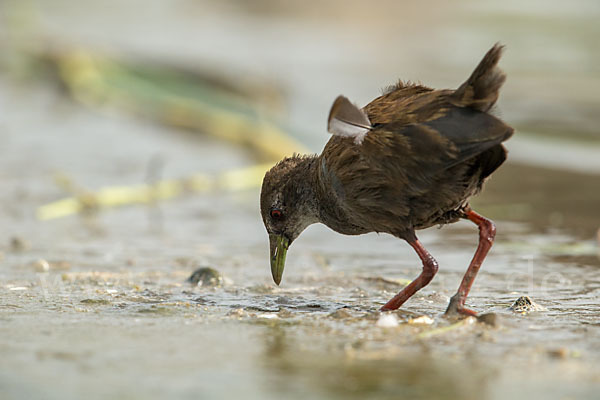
(457, 309)
(460, 312)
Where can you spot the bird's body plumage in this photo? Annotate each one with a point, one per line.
(408, 160)
(418, 165)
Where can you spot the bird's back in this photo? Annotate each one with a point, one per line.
(426, 153)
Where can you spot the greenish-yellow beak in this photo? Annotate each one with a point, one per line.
(279, 245)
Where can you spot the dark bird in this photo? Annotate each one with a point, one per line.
(408, 160)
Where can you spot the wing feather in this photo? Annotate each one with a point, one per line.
(348, 120)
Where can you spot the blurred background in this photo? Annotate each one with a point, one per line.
(133, 140)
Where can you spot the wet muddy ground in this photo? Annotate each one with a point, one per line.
(98, 305)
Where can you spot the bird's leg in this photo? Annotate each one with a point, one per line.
(487, 232)
(430, 267)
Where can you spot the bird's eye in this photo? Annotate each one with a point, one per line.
(276, 214)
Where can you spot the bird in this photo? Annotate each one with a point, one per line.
(410, 159)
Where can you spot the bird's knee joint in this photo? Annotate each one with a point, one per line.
(430, 267)
(487, 232)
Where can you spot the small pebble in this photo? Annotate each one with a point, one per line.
(524, 304)
(18, 244)
(60, 265)
(422, 320)
(41, 265)
(237, 313)
(206, 276)
(387, 320)
(285, 313)
(560, 353)
(342, 313)
(268, 316)
(490, 319)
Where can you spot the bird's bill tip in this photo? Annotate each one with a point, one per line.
(279, 245)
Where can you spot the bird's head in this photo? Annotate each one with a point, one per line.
(288, 206)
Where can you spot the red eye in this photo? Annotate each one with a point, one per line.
(276, 213)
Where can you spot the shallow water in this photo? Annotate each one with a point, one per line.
(98, 306)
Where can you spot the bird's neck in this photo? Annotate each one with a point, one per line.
(321, 196)
(305, 175)
(331, 199)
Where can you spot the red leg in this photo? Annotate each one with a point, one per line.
(430, 267)
(487, 232)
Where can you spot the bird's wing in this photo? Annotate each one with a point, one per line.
(426, 148)
(468, 132)
(348, 120)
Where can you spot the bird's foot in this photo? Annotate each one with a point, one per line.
(456, 308)
(389, 306)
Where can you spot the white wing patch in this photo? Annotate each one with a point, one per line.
(347, 120)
